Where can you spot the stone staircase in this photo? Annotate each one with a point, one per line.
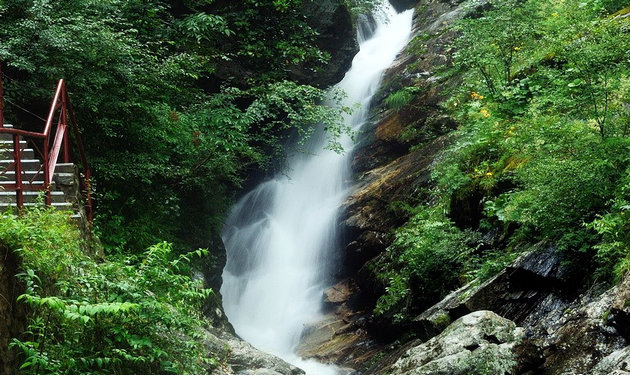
(65, 181)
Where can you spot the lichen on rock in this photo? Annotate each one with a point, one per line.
(480, 342)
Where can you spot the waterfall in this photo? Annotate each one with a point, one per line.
(281, 237)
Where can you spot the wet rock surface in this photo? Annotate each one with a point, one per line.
(389, 172)
(526, 292)
(235, 356)
(341, 337)
(558, 335)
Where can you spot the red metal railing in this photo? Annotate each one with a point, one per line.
(53, 140)
(1, 98)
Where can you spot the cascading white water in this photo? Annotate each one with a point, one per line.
(280, 237)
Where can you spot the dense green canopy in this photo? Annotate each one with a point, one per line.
(176, 99)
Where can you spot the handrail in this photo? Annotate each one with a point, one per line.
(23, 133)
(60, 108)
(54, 106)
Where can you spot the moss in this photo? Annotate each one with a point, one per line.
(622, 13)
(442, 321)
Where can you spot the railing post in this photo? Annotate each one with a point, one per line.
(64, 119)
(1, 98)
(17, 157)
(47, 177)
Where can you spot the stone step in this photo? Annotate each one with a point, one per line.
(9, 176)
(27, 164)
(27, 153)
(26, 175)
(31, 196)
(34, 185)
(64, 168)
(4, 136)
(7, 144)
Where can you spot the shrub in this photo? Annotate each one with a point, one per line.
(126, 316)
(425, 261)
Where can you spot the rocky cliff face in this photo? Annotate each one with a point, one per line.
(534, 317)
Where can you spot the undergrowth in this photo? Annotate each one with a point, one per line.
(136, 314)
(543, 148)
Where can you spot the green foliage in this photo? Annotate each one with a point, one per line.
(177, 101)
(614, 228)
(424, 262)
(542, 149)
(493, 45)
(545, 121)
(595, 63)
(402, 98)
(357, 7)
(126, 316)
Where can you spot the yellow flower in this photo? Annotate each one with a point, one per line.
(555, 14)
(476, 96)
(517, 48)
(485, 112)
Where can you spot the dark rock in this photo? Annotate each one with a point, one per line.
(340, 292)
(529, 357)
(212, 269)
(616, 363)
(370, 214)
(619, 316)
(333, 22)
(558, 337)
(401, 5)
(580, 337)
(529, 286)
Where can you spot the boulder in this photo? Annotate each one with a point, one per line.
(211, 269)
(584, 338)
(527, 291)
(235, 356)
(616, 363)
(562, 333)
(480, 342)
